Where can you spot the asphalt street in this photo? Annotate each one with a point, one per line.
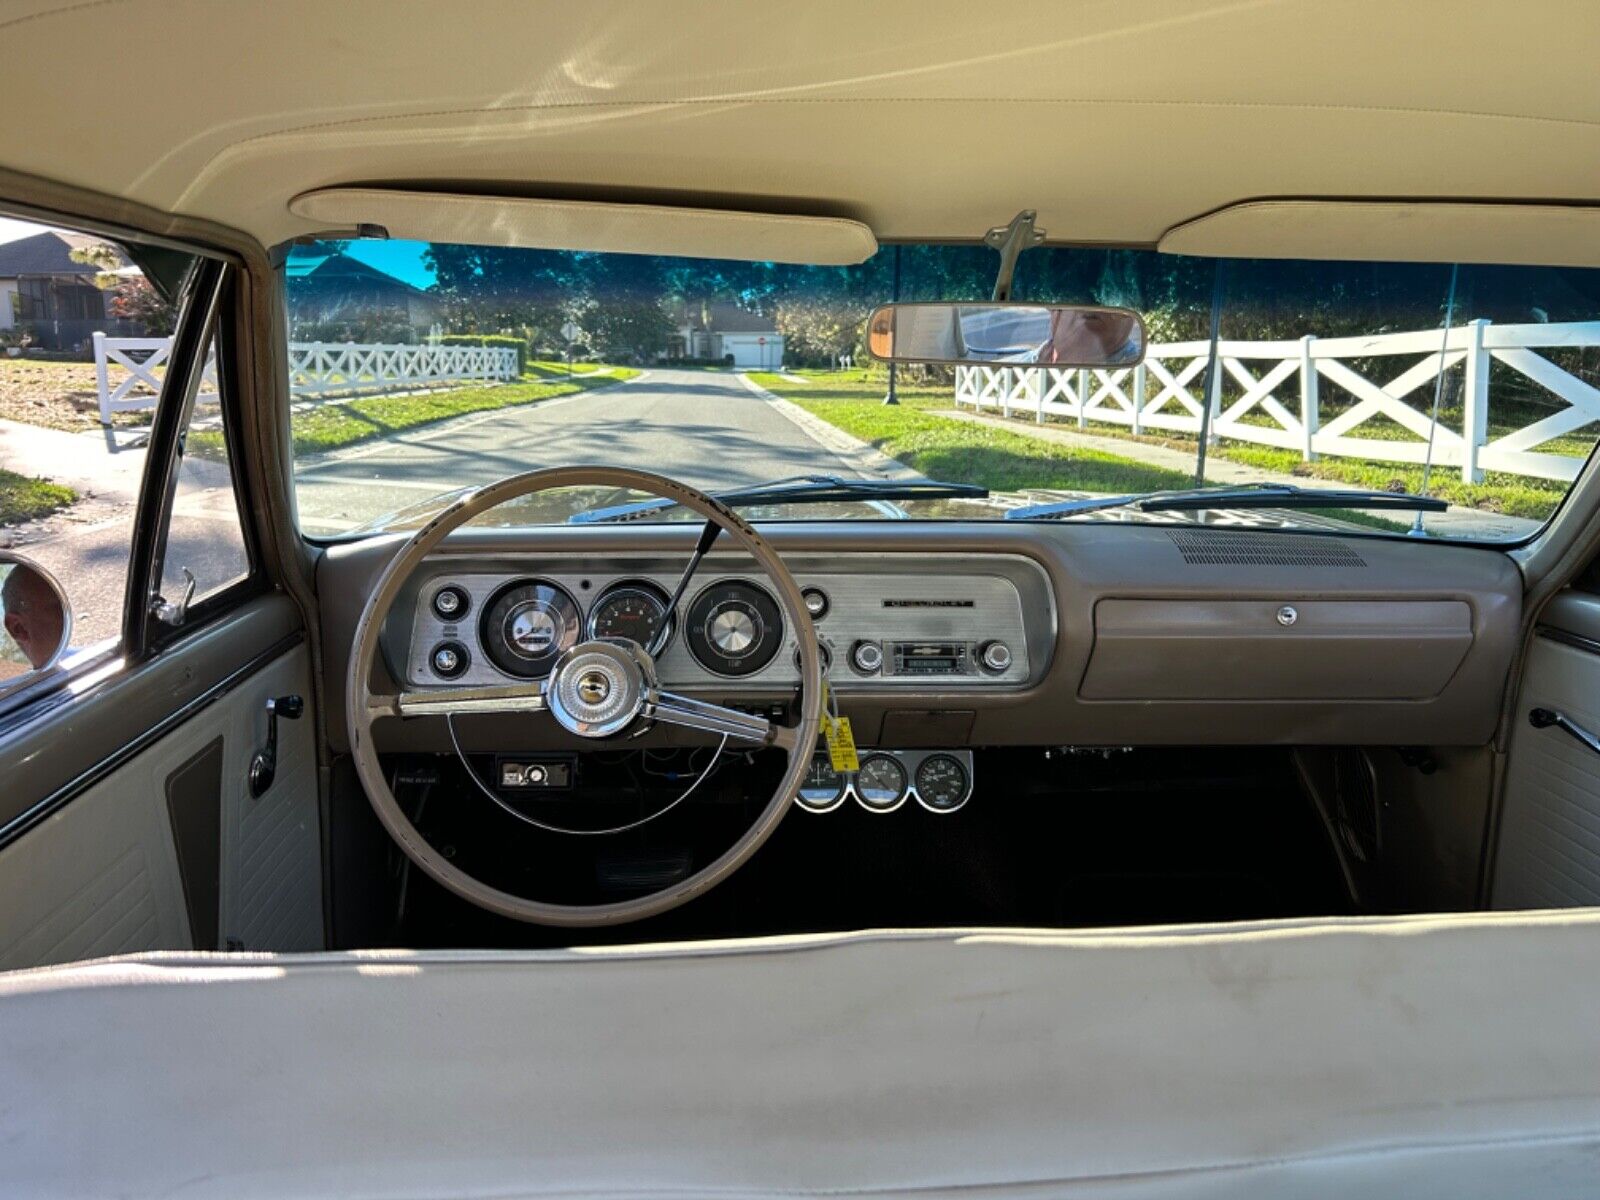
(704, 428)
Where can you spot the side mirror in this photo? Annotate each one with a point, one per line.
(1022, 335)
(35, 621)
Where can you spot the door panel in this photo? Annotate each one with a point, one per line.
(272, 857)
(114, 857)
(1549, 841)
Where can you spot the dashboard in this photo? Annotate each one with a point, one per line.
(951, 635)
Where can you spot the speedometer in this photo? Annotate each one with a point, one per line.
(527, 624)
(634, 611)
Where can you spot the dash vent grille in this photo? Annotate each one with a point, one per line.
(1204, 547)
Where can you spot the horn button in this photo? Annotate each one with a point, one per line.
(598, 688)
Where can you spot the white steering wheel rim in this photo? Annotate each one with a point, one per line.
(363, 708)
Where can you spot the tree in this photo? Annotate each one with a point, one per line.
(129, 297)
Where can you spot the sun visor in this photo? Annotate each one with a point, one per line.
(592, 225)
(1395, 231)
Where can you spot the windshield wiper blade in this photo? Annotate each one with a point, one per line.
(1251, 495)
(796, 489)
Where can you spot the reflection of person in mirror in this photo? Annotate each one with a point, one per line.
(1092, 337)
(33, 615)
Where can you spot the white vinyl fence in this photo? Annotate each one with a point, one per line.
(315, 369)
(1281, 381)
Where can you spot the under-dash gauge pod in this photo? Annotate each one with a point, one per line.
(882, 784)
(943, 783)
(823, 788)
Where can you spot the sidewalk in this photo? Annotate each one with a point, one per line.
(98, 464)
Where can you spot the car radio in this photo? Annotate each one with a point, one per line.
(928, 658)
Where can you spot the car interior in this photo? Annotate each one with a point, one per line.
(1303, 762)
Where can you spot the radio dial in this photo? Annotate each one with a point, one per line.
(996, 656)
(867, 657)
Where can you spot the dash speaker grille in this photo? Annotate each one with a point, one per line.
(1238, 548)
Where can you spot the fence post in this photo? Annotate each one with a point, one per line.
(1036, 378)
(1083, 397)
(101, 378)
(1005, 392)
(1138, 399)
(1214, 399)
(1309, 391)
(1475, 422)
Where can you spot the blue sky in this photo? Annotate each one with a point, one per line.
(403, 260)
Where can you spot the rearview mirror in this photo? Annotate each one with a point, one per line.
(1024, 335)
(35, 622)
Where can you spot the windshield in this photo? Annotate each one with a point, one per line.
(421, 369)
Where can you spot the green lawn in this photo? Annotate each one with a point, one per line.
(915, 433)
(1513, 495)
(332, 426)
(24, 499)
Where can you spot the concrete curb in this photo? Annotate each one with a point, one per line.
(862, 457)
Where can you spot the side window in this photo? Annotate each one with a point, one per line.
(86, 335)
(205, 535)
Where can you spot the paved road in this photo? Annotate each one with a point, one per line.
(704, 428)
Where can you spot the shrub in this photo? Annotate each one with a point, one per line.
(494, 341)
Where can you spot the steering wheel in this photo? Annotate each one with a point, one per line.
(601, 688)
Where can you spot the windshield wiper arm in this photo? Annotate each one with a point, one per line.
(797, 489)
(1251, 495)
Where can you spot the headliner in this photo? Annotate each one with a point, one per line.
(1115, 119)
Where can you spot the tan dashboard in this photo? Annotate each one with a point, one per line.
(1114, 634)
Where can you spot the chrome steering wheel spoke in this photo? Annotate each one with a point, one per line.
(669, 708)
(438, 702)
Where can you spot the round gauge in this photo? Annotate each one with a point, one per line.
(943, 784)
(823, 789)
(526, 625)
(633, 611)
(734, 628)
(881, 783)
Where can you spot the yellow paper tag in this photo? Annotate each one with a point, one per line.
(841, 743)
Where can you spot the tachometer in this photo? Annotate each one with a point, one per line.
(881, 784)
(630, 610)
(943, 784)
(823, 788)
(527, 624)
(734, 628)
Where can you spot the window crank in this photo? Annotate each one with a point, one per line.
(264, 763)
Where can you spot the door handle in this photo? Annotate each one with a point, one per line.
(1545, 718)
(264, 763)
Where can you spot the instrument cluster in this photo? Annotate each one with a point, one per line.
(903, 625)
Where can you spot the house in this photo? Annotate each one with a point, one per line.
(45, 292)
(329, 286)
(714, 329)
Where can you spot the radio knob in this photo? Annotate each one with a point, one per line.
(995, 656)
(866, 657)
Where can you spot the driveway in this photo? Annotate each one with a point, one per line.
(703, 427)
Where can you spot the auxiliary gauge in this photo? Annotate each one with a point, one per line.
(943, 783)
(823, 788)
(881, 784)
